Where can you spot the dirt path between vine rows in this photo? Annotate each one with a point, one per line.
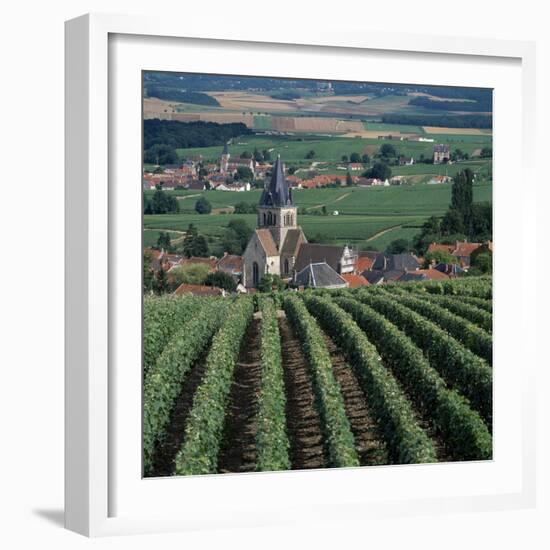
(238, 450)
(369, 444)
(304, 426)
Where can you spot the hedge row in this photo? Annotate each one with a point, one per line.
(338, 435)
(460, 368)
(473, 337)
(204, 429)
(164, 379)
(161, 318)
(406, 440)
(471, 312)
(465, 434)
(271, 439)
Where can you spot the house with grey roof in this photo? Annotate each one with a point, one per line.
(319, 275)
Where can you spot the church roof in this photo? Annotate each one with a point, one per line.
(277, 193)
(294, 238)
(266, 240)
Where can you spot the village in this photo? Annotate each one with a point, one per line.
(278, 247)
(237, 174)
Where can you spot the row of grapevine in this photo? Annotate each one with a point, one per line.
(271, 439)
(473, 337)
(479, 287)
(473, 313)
(340, 440)
(165, 377)
(465, 434)
(407, 442)
(482, 303)
(161, 317)
(204, 430)
(461, 368)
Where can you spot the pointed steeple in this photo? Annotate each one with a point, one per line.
(226, 148)
(277, 192)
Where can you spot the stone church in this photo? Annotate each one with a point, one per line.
(274, 246)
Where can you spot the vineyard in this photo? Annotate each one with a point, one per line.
(392, 374)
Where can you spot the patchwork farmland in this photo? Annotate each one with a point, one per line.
(399, 374)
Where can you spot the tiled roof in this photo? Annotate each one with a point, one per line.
(355, 281)
(232, 263)
(210, 262)
(364, 263)
(320, 275)
(314, 253)
(294, 238)
(437, 247)
(266, 240)
(465, 249)
(198, 290)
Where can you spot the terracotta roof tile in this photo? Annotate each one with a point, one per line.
(198, 290)
(355, 281)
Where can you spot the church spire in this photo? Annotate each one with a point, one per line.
(277, 192)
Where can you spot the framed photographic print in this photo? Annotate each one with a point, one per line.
(287, 284)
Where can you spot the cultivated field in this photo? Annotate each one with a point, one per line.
(293, 149)
(386, 375)
(363, 213)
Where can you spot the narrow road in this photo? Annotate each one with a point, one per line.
(383, 232)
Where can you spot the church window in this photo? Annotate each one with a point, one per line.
(287, 267)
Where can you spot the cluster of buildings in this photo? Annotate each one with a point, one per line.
(278, 246)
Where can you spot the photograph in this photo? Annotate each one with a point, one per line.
(317, 274)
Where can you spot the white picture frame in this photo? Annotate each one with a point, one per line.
(104, 498)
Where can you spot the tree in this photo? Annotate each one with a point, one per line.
(257, 156)
(246, 155)
(324, 210)
(194, 244)
(148, 273)
(349, 180)
(203, 206)
(355, 157)
(221, 280)
(380, 170)
(267, 155)
(270, 283)
(365, 158)
(398, 246)
(387, 150)
(453, 222)
(243, 173)
(439, 257)
(310, 154)
(483, 261)
(192, 274)
(160, 283)
(242, 230)
(160, 154)
(345, 158)
(462, 198)
(164, 242)
(486, 152)
(161, 203)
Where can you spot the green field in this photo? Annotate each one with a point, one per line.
(363, 213)
(331, 149)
